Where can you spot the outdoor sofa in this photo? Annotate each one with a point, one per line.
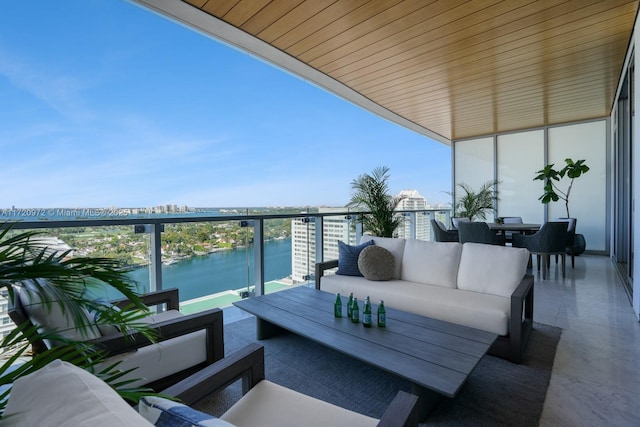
(476, 285)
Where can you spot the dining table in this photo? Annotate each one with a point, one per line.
(514, 227)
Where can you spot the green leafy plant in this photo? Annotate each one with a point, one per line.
(473, 204)
(371, 193)
(57, 278)
(551, 178)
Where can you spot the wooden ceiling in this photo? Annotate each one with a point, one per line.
(455, 68)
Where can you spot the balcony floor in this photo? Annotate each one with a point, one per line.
(595, 379)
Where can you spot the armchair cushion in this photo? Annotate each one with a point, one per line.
(348, 258)
(268, 404)
(104, 328)
(51, 318)
(61, 394)
(168, 413)
(148, 359)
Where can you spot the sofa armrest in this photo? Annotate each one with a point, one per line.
(321, 267)
(521, 317)
(246, 364)
(170, 297)
(403, 411)
(209, 320)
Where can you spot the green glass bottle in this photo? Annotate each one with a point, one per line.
(337, 306)
(355, 311)
(366, 313)
(349, 305)
(382, 315)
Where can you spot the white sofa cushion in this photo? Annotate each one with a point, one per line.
(268, 404)
(61, 394)
(432, 263)
(481, 311)
(393, 245)
(157, 361)
(491, 269)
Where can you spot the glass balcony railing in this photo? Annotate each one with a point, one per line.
(215, 260)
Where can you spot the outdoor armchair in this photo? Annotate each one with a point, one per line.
(61, 394)
(267, 404)
(508, 235)
(442, 234)
(478, 232)
(185, 343)
(551, 239)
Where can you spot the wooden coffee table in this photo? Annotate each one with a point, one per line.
(436, 357)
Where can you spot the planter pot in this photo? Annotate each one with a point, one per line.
(579, 245)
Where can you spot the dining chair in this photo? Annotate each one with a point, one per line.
(456, 220)
(571, 238)
(551, 239)
(442, 234)
(478, 232)
(508, 235)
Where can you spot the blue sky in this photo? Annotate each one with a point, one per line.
(107, 104)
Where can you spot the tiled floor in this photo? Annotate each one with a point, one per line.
(596, 375)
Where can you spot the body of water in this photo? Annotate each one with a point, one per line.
(220, 271)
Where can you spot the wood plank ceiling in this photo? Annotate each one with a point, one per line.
(457, 68)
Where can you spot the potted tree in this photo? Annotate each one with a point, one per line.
(552, 178)
(371, 192)
(552, 193)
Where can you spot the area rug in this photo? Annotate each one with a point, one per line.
(498, 392)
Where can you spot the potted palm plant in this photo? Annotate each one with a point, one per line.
(472, 204)
(371, 193)
(57, 278)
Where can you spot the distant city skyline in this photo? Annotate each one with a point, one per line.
(108, 104)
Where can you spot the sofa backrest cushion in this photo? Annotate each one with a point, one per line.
(61, 394)
(491, 269)
(393, 245)
(348, 258)
(432, 263)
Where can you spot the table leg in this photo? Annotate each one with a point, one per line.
(266, 329)
(428, 399)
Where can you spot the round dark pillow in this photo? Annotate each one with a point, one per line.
(376, 263)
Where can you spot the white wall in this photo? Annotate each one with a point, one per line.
(587, 201)
(520, 155)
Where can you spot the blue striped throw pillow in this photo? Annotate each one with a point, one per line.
(167, 413)
(348, 258)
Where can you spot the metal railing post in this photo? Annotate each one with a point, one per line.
(319, 240)
(155, 270)
(258, 256)
(258, 253)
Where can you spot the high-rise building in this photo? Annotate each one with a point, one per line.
(413, 201)
(340, 227)
(303, 238)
